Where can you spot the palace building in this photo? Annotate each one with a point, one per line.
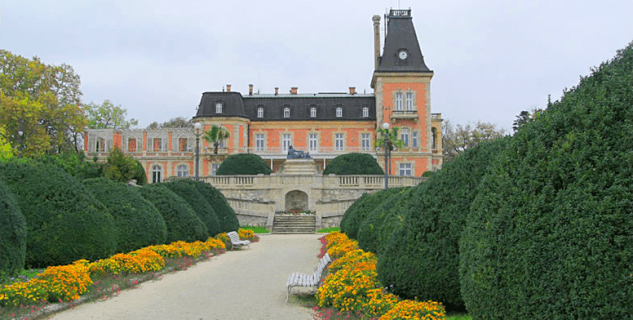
(323, 124)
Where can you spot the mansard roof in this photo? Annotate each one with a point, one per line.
(401, 36)
(236, 105)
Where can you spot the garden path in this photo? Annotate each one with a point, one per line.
(243, 284)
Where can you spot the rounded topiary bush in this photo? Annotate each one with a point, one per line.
(549, 234)
(421, 256)
(181, 220)
(12, 233)
(377, 227)
(243, 163)
(353, 163)
(138, 222)
(64, 221)
(187, 190)
(226, 214)
(360, 209)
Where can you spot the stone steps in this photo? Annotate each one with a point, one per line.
(294, 224)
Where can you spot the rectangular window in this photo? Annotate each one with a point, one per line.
(214, 168)
(404, 136)
(260, 112)
(415, 139)
(313, 142)
(339, 112)
(157, 145)
(287, 113)
(365, 112)
(313, 112)
(365, 141)
(405, 169)
(409, 101)
(131, 145)
(398, 101)
(259, 142)
(182, 144)
(218, 108)
(340, 142)
(285, 139)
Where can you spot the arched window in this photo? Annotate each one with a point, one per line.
(182, 170)
(313, 112)
(286, 112)
(339, 112)
(365, 112)
(156, 174)
(260, 112)
(218, 107)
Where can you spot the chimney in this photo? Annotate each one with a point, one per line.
(293, 90)
(376, 20)
(250, 89)
(276, 90)
(228, 88)
(352, 90)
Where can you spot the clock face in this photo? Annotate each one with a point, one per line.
(402, 54)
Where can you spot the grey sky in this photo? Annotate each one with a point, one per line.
(491, 59)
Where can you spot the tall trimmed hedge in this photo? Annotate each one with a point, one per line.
(358, 211)
(421, 257)
(138, 222)
(353, 163)
(243, 163)
(181, 221)
(380, 222)
(549, 235)
(226, 214)
(189, 192)
(64, 221)
(12, 233)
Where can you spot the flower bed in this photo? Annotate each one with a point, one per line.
(352, 287)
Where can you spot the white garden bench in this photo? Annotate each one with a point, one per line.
(235, 240)
(307, 280)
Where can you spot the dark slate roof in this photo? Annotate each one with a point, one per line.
(401, 36)
(236, 105)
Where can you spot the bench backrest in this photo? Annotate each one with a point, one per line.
(233, 236)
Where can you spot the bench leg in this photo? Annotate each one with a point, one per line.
(288, 293)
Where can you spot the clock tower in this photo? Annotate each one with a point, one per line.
(402, 84)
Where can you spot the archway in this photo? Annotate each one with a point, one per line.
(296, 200)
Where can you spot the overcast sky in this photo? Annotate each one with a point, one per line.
(491, 59)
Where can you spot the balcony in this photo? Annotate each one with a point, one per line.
(404, 115)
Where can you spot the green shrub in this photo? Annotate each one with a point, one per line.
(181, 221)
(74, 164)
(353, 163)
(427, 174)
(377, 227)
(138, 222)
(123, 168)
(12, 234)
(549, 234)
(189, 192)
(226, 214)
(243, 163)
(421, 256)
(64, 221)
(358, 211)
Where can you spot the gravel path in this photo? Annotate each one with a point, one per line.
(245, 284)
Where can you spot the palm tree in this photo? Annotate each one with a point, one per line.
(215, 136)
(393, 143)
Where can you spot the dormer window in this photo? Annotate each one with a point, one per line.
(286, 112)
(365, 112)
(218, 107)
(313, 112)
(339, 112)
(260, 112)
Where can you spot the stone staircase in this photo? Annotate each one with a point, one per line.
(294, 224)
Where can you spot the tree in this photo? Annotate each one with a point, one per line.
(179, 122)
(456, 140)
(394, 141)
(123, 168)
(108, 116)
(6, 151)
(215, 136)
(526, 117)
(42, 101)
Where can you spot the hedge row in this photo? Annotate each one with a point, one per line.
(49, 218)
(353, 163)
